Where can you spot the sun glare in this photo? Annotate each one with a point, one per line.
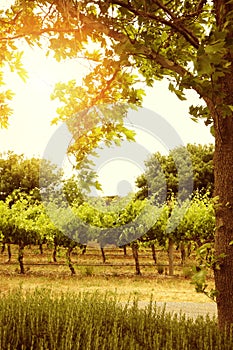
(30, 129)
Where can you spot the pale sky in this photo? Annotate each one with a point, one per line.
(30, 131)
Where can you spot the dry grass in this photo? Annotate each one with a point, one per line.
(159, 288)
(104, 278)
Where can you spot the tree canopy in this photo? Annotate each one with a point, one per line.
(186, 41)
(26, 175)
(201, 157)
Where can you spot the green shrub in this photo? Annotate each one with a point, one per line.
(187, 272)
(88, 271)
(160, 269)
(43, 320)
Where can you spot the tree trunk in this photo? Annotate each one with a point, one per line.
(20, 257)
(55, 253)
(182, 253)
(84, 249)
(41, 248)
(134, 247)
(154, 253)
(220, 97)
(3, 248)
(125, 250)
(170, 256)
(223, 171)
(103, 254)
(189, 249)
(68, 255)
(9, 252)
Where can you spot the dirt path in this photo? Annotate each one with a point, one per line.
(190, 309)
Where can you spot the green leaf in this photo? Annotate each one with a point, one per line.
(212, 130)
(215, 47)
(23, 75)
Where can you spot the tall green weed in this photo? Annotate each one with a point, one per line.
(42, 320)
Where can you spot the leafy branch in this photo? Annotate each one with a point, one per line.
(174, 22)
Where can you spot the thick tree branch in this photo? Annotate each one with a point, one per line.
(85, 24)
(165, 9)
(177, 20)
(197, 12)
(163, 61)
(174, 23)
(105, 89)
(100, 27)
(13, 21)
(48, 12)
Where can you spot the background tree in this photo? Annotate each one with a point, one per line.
(26, 175)
(72, 191)
(201, 157)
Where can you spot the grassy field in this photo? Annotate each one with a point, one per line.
(42, 320)
(117, 275)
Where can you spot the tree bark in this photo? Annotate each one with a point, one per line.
(182, 253)
(68, 255)
(189, 249)
(154, 253)
(41, 248)
(170, 256)
(55, 253)
(3, 248)
(134, 247)
(222, 95)
(223, 171)
(103, 254)
(9, 252)
(20, 257)
(84, 248)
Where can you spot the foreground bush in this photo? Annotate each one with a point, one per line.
(42, 320)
